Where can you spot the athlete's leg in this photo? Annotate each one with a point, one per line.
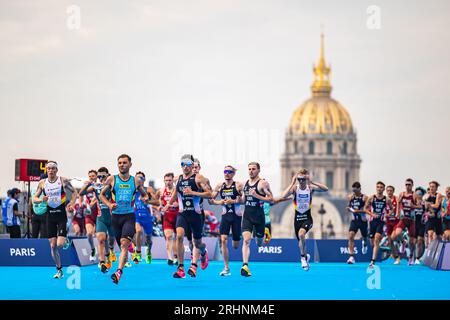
(376, 246)
(168, 234)
(124, 244)
(420, 247)
(180, 245)
(90, 232)
(76, 229)
(101, 237)
(302, 241)
(225, 254)
(54, 252)
(138, 237)
(246, 246)
(351, 242)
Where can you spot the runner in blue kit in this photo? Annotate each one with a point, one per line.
(256, 192)
(144, 222)
(123, 189)
(230, 193)
(356, 205)
(104, 229)
(302, 189)
(446, 215)
(188, 192)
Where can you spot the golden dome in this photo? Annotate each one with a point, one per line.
(321, 114)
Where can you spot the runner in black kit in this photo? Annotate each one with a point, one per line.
(433, 212)
(54, 190)
(376, 208)
(302, 188)
(356, 205)
(230, 193)
(420, 224)
(189, 217)
(256, 192)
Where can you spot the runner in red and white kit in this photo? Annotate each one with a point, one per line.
(91, 216)
(391, 218)
(170, 217)
(78, 220)
(407, 203)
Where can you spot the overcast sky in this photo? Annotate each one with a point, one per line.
(220, 79)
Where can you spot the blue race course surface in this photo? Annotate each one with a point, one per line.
(269, 281)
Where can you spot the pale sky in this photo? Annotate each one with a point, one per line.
(220, 79)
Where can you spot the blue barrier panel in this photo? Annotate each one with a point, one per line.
(430, 253)
(338, 251)
(33, 252)
(445, 257)
(278, 250)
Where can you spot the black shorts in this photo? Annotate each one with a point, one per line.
(56, 222)
(190, 222)
(124, 226)
(376, 226)
(434, 224)
(254, 223)
(360, 225)
(446, 224)
(419, 228)
(14, 232)
(302, 221)
(233, 222)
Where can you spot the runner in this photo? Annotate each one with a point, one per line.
(433, 201)
(392, 221)
(123, 189)
(376, 208)
(230, 193)
(78, 219)
(420, 224)
(356, 205)
(302, 188)
(144, 222)
(104, 227)
(39, 217)
(170, 217)
(54, 189)
(405, 214)
(190, 214)
(256, 192)
(91, 215)
(446, 214)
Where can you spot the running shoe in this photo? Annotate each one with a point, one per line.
(410, 261)
(179, 274)
(103, 267)
(128, 264)
(59, 274)
(351, 260)
(225, 272)
(131, 248)
(402, 248)
(305, 264)
(267, 235)
(148, 259)
(170, 262)
(245, 271)
(116, 276)
(371, 264)
(417, 262)
(92, 257)
(192, 271)
(397, 261)
(204, 260)
(175, 262)
(112, 256)
(136, 257)
(108, 264)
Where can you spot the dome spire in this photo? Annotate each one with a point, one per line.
(321, 85)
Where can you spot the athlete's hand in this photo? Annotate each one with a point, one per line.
(45, 199)
(145, 198)
(87, 183)
(294, 180)
(112, 206)
(228, 201)
(187, 191)
(69, 208)
(252, 192)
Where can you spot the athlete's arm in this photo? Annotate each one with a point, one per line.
(204, 184)
(87, 188)
(214, 194)
(67, 185)
(154, 198)
(173, 198)
(264, 187)
(399, 204)
(368, 207)
(106, 188)
(140, 187)
(438, 201)
(318, 187)
(38, 193)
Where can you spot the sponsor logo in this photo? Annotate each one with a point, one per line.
(270, 249)
(346, 250)
(124, 186)
(22, 252)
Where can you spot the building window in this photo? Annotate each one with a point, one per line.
(311, 147)
(344, 148)
(329, 148)
(329, 179)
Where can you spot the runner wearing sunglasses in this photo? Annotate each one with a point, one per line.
(190, 189)
(104, 229)
(230, 193)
